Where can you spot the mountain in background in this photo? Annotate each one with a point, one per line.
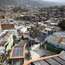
(29, 3)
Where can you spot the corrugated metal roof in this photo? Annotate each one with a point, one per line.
(58, 60)
(18, 51)
(51, 61)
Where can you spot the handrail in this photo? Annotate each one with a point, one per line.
(41, 58)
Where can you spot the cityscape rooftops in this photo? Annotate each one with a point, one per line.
(48, 29)
(7, 21)
(4, 37)
(24, 29)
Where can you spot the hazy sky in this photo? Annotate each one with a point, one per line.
(55, 0)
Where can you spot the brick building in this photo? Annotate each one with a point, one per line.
(6, 24)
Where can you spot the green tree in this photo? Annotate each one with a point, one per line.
(62, 24)
(35, 31)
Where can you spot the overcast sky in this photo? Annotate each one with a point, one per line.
(55, 0)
